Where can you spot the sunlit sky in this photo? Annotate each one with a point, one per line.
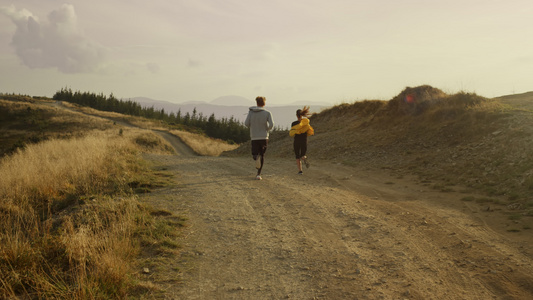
(330, 51)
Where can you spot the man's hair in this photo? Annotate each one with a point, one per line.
(260, 101)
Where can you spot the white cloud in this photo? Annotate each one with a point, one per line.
(54, 43)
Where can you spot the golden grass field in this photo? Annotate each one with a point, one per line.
(71, 226)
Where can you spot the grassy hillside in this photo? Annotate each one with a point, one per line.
(462, 142)
(71, 226)
(25, 120)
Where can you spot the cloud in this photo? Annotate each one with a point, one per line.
(54, 43)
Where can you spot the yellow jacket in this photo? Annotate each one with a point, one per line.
(302, 127)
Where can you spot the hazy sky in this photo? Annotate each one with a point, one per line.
(329, 50)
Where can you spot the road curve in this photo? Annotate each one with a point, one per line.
(179, 146)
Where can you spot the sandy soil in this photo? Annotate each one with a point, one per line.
(333, 233)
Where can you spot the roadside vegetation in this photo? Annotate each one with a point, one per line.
(227, 129)
(71, 226)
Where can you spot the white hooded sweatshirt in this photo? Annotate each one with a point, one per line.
(260, 122)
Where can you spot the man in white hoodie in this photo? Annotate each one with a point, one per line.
(260, 122)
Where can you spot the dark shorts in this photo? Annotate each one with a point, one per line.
(300, 148)
(259, 147)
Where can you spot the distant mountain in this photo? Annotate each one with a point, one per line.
(227, 107)
(231, 101)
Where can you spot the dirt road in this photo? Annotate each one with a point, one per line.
(333, 233)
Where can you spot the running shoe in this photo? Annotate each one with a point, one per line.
(258, 177)
(306, 162)
(300, 173)
(258, 162)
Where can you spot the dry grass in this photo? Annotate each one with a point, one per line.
(85, 162)
(69, 223)
(199, 143)
(71, 226)
(151, 142)
(27, 121)
(204, 145)
(136, 121)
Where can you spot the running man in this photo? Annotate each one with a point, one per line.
(260, 122)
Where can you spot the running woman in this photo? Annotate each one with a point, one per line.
(300, 129)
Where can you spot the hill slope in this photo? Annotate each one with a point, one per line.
(461, 142)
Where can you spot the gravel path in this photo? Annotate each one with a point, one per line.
(332, 233)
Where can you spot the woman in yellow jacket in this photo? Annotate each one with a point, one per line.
(300, 129)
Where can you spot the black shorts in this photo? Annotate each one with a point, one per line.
(259, 147)
(300, 148)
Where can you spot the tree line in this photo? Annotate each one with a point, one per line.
(228, 129)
